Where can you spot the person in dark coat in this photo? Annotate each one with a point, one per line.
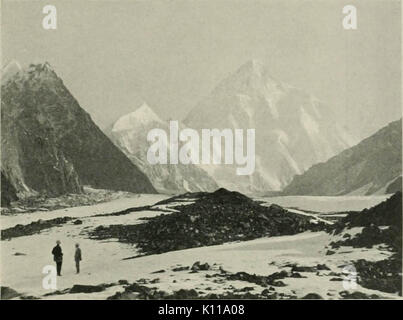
(77, 257)
(58, 257)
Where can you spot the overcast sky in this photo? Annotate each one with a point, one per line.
(113, 55)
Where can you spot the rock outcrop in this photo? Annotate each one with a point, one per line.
(214, 218)
(372, 166)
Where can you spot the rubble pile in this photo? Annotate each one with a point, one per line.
(214, 218)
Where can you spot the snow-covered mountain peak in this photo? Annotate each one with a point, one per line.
(12, 65)
(253, 79)
(294, 129)
(254, 66)
(256, 69)
(130, 134)
(10, 70)
(143, 115)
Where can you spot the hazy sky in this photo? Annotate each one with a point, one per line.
(112, 55)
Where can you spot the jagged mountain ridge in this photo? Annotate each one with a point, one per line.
(50, 145)
(129, 133)
(367, 168)
(294, 130)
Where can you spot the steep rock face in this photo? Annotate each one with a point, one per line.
(50, 144)
(293, 129)
(394, 186)
(8, 192)
(367, 168)
(129, 133)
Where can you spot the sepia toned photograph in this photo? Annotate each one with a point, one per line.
(201, 150)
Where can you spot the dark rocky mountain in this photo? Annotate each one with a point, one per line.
(50, 145)
(372, 166)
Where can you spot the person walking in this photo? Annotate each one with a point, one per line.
(58, 257)
(77, 257)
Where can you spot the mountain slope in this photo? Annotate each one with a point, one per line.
(51, 146)
(8, 192)
(366, 168)
(129, 133)
(293, 129)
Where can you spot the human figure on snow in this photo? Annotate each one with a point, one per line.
(77, 257)
(58, 257)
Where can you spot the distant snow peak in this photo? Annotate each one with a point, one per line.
(253, 65)
(142, 116)
(258, 69)
(10, 70)
(12, 65)
(145, 113)
(294, 129)
(257, 66)
(130, 132)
